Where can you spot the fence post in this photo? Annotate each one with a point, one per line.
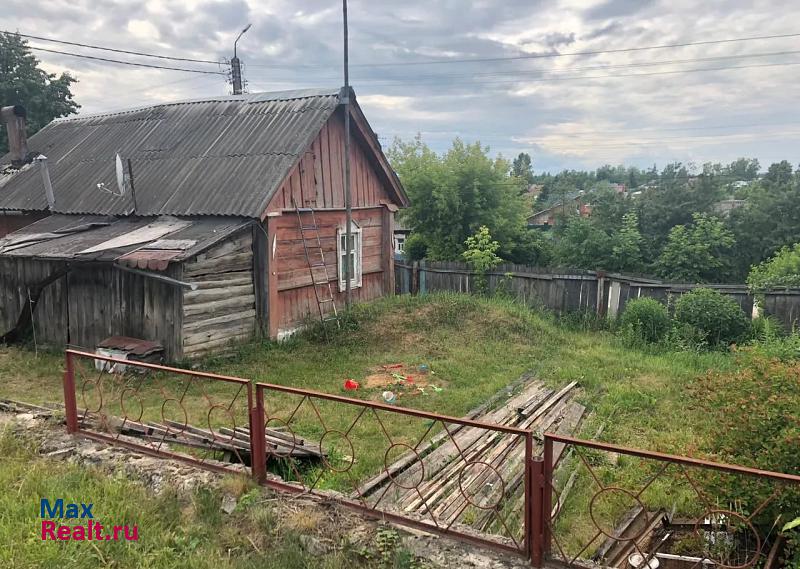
(258, 441)
(536, 467)
(547, 494)
(70, 403)
(528, 489)
(414, 288)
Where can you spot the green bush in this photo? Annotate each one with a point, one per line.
(751, 419)
(644, 320)
(684, 337)
(719, 318)
(781, 270)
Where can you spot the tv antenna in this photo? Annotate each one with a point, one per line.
(123, 182)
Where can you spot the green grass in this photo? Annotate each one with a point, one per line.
(174, 531)
(475, 346)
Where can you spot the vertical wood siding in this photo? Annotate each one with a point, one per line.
(317, 180)
(223, 308)
(90, 304)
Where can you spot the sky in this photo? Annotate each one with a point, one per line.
(694, 104)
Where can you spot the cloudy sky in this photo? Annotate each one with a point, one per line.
(710, 102)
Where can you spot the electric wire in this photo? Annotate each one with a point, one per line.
(135, 64)
(115, 50)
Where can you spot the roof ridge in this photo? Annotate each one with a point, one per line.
(248, 98)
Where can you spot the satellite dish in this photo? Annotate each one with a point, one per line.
(120, 176)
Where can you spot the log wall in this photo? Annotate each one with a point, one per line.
(223, 308)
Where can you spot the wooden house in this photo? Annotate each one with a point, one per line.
(203, 245)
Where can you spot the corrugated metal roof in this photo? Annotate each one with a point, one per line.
(68, 237)
(220, 156)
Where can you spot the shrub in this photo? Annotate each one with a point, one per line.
(645, 320)
(751, 419)
(719, 318)
(684, 337)
(782, 270)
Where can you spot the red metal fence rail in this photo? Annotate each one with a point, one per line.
(104, 398)
(474, 481)
(711, 489)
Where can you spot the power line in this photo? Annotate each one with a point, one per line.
(403, 82)
(596, 67)
(112, 49)
(150, 65)
(544, 55)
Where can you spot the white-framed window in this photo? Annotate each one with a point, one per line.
(401, 244)
(351, 254)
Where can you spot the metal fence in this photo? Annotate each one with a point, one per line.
(186, 415)
(492, 485)
(448, 476)
(641, 516)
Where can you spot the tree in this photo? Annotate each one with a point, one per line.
(677, 197)
(768, 221)
(782, 270)
(583, 245)
(454, 194)
(522, 168)
(779, 174)
(698, 252)
(744, 169)
(481, 255)
(22, 82)
(627, 246)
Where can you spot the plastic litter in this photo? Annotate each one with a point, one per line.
(389, 396)
(351, 385)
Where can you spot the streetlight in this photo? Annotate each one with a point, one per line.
(236, 65)
(247, 27)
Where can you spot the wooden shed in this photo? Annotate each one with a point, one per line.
(207, 246)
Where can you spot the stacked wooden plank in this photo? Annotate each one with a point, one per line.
(233, 442)
(468, 474)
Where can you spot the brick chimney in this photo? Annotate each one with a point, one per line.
(14, 119)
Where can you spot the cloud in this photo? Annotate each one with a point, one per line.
(570, 111)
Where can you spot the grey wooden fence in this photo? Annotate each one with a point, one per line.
(564, 291)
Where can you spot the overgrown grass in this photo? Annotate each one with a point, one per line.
(174, 531)
(475, 346)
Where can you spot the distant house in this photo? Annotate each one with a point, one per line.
(534, 190)
(576, 205)
(724, 207)
(400, 235)
(205, 247)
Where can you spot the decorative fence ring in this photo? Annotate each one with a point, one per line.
(747, 523)
(325, 458)
(419, 461)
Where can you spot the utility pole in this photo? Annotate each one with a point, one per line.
(345, 99)
(236, 65)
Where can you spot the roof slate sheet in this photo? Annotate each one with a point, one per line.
(67, 237)
(220, 156)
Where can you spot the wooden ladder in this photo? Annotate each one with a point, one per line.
(317, 268)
